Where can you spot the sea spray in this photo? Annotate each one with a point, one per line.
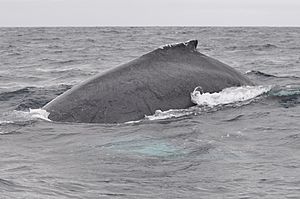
(39, 114)
(213, 101)
(228, 95)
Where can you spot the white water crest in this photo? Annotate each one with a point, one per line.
(213, 101)
(228, 95)
(32, 114)
(39, 114)
(172, 113)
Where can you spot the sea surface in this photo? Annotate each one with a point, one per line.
(239, 143)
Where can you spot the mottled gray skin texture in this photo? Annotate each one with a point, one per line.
(160, 80)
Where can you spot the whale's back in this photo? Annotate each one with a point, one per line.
(160, 80)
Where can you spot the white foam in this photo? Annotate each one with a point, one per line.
(228, 95)
(32, 114)
(172, 113)
(39, 114)
(208, 101)
(20, 117)
(6, 122)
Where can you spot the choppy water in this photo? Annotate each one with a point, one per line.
(244, 149)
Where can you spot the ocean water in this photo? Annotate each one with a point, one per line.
(239, 143)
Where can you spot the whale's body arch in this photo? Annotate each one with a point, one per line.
(160, 80)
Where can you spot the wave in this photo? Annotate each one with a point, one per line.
(262, 74)
(8, 95)
(262, 47)
(34, 114)
(288, 96)
(90, 40)
(11, 122)
(31, 114)
(66, 61)
(45, 39)
(110, 31)
(288, 91)
(63, 62)
(259, 73)
(32, 97)
(258, 47)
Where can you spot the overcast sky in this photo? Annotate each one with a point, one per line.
(149, 12)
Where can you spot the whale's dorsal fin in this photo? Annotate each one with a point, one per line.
(189, 45)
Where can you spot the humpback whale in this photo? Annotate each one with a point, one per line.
(159, 80)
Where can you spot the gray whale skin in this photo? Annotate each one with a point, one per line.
(160, 80)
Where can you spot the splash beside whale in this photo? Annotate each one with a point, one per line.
(160, 80)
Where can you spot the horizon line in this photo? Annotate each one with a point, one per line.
(133, 26)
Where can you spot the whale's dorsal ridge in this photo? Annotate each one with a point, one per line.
(162, 79)
(188, 45)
